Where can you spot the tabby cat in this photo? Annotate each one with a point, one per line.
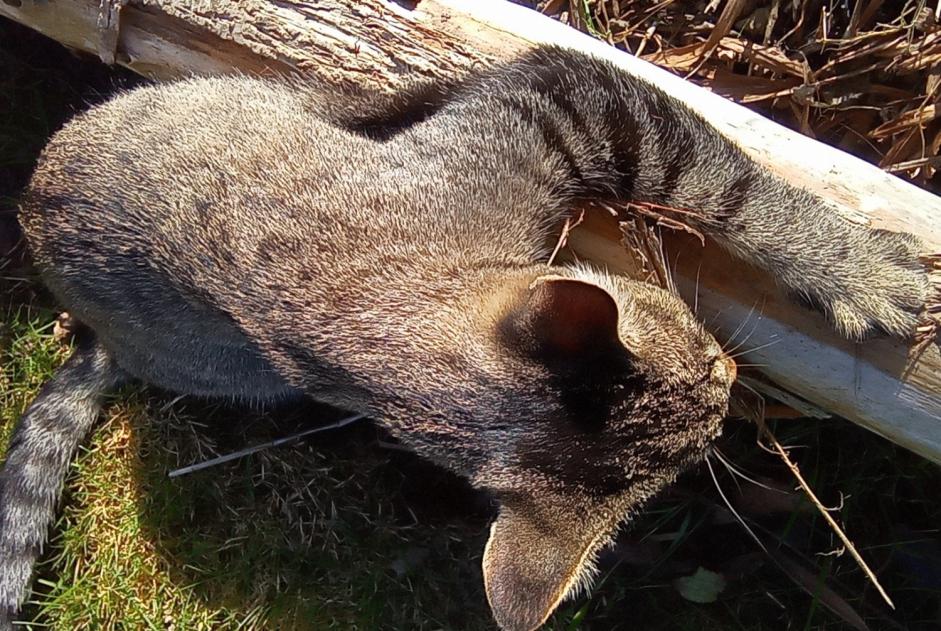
(248, 239)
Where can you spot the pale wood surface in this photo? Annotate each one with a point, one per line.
(378, 42)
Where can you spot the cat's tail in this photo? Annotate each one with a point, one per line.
(37, 461)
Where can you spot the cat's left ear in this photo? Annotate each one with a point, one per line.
(538, 552)
(564, 319)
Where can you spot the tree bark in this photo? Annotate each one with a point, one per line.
(379, 42)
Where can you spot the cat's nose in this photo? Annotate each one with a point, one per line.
(731, 367)
(724, 369)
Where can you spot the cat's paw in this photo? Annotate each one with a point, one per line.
(881, 287)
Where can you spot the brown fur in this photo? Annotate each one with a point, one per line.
(249, 239)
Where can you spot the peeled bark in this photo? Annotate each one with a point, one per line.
(378, 42)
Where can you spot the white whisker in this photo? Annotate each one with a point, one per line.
(734, 470)
(740, 326)
(747, 337)
(753, 329)
(757, 348)
(725, 499)
(761, 398)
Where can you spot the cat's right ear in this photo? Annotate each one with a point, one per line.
(540, 550)
(562, 319)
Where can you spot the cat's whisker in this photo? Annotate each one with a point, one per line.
(740, 326)
(735, 513)
(757, 348)
(734, 470)
(715, 317)
(761, 397)
(744, 341)
(750, 333)
(696, 291)
(761, 401)
(715, 451)
(749, 388)
(671, 275)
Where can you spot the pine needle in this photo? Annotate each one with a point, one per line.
(199, 466)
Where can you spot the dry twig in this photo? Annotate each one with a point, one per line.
(777, 448)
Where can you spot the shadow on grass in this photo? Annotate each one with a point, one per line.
(334, 534)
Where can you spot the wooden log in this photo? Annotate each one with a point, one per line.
(378, 42)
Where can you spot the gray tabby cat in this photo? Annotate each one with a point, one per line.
(246, 239)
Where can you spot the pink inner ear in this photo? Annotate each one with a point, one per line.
(572, 316)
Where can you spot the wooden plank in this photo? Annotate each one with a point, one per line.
(377, 42)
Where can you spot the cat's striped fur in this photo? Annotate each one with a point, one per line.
(242, 238)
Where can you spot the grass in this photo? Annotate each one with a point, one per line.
(296, 538)
(341, 532)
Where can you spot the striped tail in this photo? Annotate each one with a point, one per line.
(37, 462)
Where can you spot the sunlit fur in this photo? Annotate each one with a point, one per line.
(249, 239)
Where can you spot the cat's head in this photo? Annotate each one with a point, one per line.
(616, 388)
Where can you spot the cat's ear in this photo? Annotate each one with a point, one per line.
(538, 552)
(563, 318)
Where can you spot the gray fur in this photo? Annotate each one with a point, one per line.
(37, 461)
(249, 239)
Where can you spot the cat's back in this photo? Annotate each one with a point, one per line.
(162, 208)
(183, 160)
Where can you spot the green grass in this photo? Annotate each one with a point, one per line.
(295, 538)
(29, 358)
(340, 532)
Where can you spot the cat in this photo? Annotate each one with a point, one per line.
(250, 239)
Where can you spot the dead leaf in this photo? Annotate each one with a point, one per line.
(704, 586)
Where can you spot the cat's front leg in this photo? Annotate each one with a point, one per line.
(864, 280)
(880, 286)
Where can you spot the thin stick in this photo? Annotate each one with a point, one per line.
(826, 514)
(199, 466)
(564, 237)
